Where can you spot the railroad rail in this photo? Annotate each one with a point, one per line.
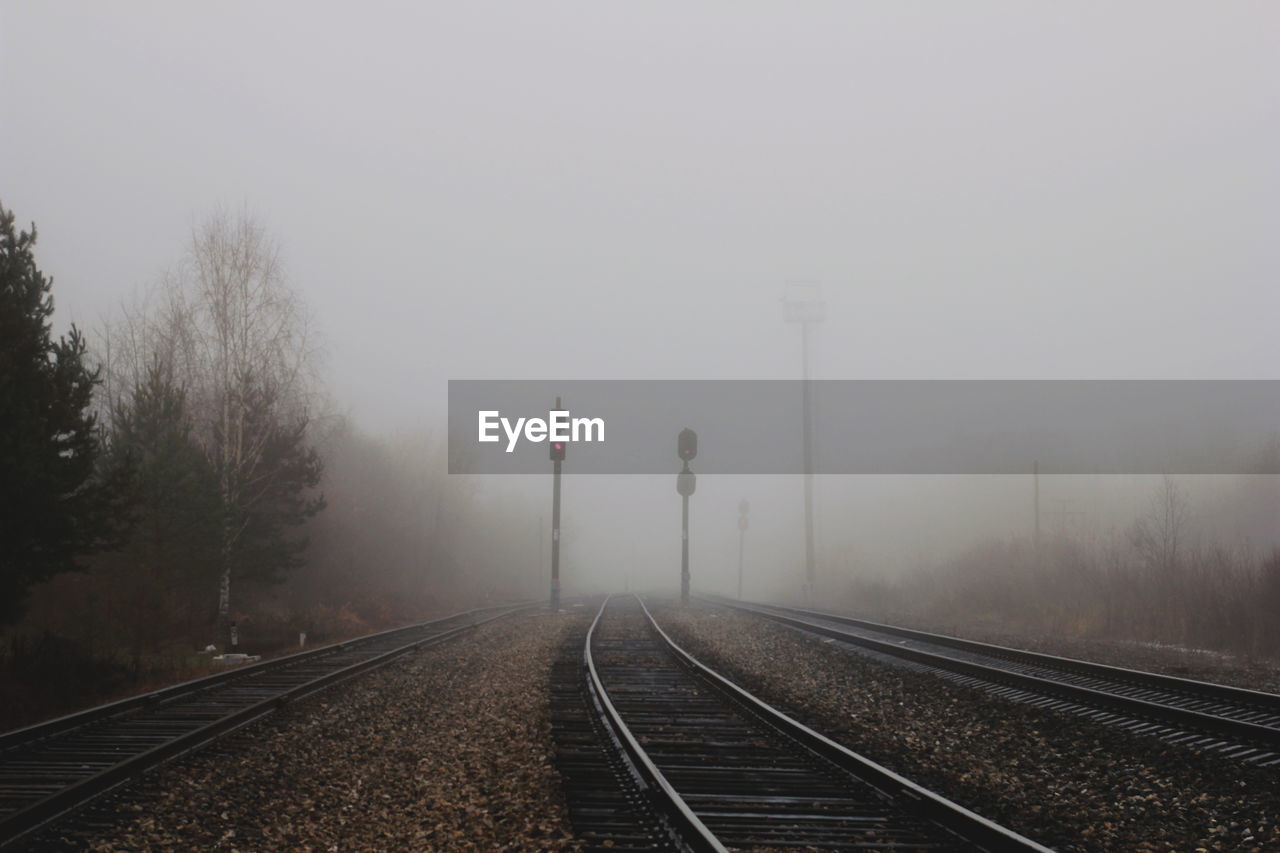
(52, 768)
(1236, 722)
(721, 769)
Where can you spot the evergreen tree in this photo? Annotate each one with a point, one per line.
(54, 509)
(267, 548)
(170, 559)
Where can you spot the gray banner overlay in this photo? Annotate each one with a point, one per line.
(881, 427)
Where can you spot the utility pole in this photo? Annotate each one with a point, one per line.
(810, 567)
(557, 458)
(686, 482)
(1035, 474)
(743, 524)
(804, 305)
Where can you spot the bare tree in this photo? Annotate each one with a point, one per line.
(1159, 537)
(244, 351)
(228, 333)
(140, 339)
(1161, 532)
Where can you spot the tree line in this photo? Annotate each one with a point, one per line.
(1156, 579)
(159, 487)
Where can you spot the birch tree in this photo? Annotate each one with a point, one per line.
(245, 353)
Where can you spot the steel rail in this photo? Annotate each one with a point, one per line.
(684, 827)
(1207, 689)
(25, 736)
(22, 823)
(1239, 731)
(966, 824)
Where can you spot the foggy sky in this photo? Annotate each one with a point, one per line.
(585, 190)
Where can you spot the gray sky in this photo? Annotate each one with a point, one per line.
(588, 190)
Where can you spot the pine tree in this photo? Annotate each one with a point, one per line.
(170, 559)
(269, 546)
(54, 508)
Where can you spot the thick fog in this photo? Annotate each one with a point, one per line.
(622, 191)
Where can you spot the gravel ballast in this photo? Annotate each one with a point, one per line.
(448, 748)
(1067, 783)
(1197, 664)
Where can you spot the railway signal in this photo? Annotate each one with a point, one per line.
(686, 483)
(557, 458)
(687, 444)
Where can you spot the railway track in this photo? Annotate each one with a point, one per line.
(1238, 723)
(56, 767)
(718, 769)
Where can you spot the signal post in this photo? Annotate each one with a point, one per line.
(686, 482)
(557, 458)
(743, 508)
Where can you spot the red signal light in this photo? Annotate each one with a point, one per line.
(687, 444)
